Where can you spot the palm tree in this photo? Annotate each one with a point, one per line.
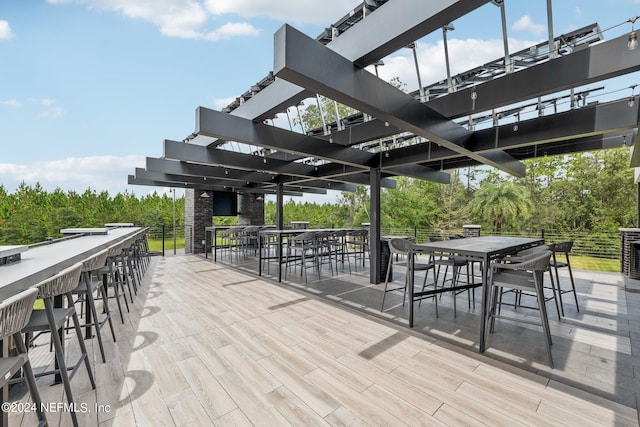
(500, 203)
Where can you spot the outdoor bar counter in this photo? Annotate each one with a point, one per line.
(44, 261)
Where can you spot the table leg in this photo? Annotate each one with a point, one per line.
(279, 246)
(486, 292)
(260, 255)
(215, 245)
(410, 285)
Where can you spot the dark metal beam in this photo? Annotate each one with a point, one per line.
(589, 120)
(203, 180)
(212, 156)
(227, 126)
(133, 180)
(310, 64)
(397, 24)
(194, 153)
(177, 167)
(588, 65)
(595, 63)
(381, 33)
(421, 172)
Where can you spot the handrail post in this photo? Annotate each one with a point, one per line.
(162, 239)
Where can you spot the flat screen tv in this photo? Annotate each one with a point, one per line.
(225, 203)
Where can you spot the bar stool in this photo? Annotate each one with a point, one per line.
(14, 315)
(249, 240)
(563, 248)
(112, 277)
(340, 249)
(124, 262)
(52, 319)
(526, 275)
(399, 246)
(526, 254)
(359, 241)
(142, 250)
(301, 248)
(87, 286)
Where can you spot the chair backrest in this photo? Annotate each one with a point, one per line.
(251, 229)
(63, 282)
(96, 261)
(339, 233)
(535, 249)
(304, 237)
(399, 246)
(15, 312)
(114, 250)
(538, 261)
(360, 233)
(563, 247)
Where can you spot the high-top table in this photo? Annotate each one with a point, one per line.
(45, 261)
(483, 249)
(280, 235)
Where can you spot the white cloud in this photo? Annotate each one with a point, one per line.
(53, 113)
(5, 30)
(296, 11)
(233, 29)
(47, 102)
(175, 18)
(223, 102)
(74, 173)
(11, 103)
(463, 56)
(526, 24)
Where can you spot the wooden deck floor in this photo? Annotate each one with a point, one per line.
(209, 345)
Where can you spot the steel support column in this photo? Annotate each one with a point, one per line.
(374, 229)
(280, 207)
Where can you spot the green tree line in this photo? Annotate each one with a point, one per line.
(591, 191)
(32, 214)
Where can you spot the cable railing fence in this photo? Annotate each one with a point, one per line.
(163, 240)
(597, 244)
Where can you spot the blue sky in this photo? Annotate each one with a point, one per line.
(88, 88)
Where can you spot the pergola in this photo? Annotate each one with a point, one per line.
(473, 118)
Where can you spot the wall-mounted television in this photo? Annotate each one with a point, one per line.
(225, 203)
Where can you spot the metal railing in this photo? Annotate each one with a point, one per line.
(598, 244)
(164, 234)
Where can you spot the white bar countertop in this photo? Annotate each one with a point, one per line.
(95, 230)
(7, 251)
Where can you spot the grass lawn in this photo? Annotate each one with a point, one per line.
(156, 244)
(595, 264)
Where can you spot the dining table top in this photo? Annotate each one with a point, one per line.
(479, 246)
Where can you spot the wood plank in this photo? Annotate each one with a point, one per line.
(186, 410)
(317, 399)
(294, 409)
(254, 405)
(206, 388)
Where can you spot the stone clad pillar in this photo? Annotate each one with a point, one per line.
(250, 209)
(627, 256)
(471, 230)
(198, 214)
